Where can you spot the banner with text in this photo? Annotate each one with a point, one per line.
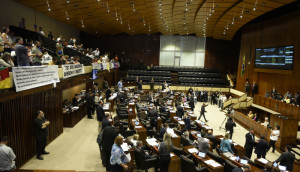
(72, 70)
(34, 76)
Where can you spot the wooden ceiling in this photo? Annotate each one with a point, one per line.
(219, 19)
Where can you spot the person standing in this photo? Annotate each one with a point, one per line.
(274, 137)
(140, 86)
(202, 112)
(90, 104)
(250, 143)
(261, 148)
(287, 158)
(229, 126)
(41, 132)
(165, 148)
(107, 141)
(187, 123)
(191, 102)
(100, 115)
(247, 87)
(7, 155)
(21, 53)
(254, 89)
(225, 145)
(118, 158)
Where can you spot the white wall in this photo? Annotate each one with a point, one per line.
(11, 13)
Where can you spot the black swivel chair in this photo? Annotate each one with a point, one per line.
(178, 151)
(216, 157)
(188, 165)
(141, 162)
(184, 141)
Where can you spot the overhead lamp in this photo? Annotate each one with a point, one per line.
(68, 1)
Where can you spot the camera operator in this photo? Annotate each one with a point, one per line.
(229, 126)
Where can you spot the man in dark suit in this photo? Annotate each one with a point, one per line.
(247, 87)
(140, 86)
(190, 90)
(254, 89)
(75, 101)
(209, 135)
(90, 101)
(153, 115)
(163, 130)
(250, 143)
(150, 98)
(245, 168)
(144, 150)
(229, 126)
(100, 114)
(187, 123)
(107, 94)
(186, 136)
(191, 102)
(179, 111)
(287, 158)
(108, 138)
(261, 147)
(202, 111)
(105, 121)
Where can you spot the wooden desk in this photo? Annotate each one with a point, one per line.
(176, 140)
(202, 161)
(177, 121)
(71, 118)
(174, 165)
(140, 130)
(237, 163)
(131, 115)
(112, 99)
(203, 126)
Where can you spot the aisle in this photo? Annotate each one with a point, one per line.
(76, 149)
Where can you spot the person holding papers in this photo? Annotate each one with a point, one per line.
(118, 158)
(225, 145)
(165, 149)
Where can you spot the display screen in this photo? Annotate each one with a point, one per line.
(275, 58)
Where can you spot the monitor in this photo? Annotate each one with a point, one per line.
(275, 58)
(95, 74)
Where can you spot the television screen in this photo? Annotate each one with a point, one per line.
(95, 74)
(275, 58)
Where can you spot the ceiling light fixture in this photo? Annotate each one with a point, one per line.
(213, 7)
(67, 16)
(254, 8)
(133, 9)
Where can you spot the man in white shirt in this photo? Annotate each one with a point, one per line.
(7, 156)
(97, 52)
(41, 31)
(274, 137)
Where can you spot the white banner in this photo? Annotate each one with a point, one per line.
(28, 77)
(72, 70)
(97, 66)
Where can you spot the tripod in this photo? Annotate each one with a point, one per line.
(223, 123)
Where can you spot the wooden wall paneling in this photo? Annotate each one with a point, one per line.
(280, 31)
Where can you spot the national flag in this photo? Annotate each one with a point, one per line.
(4, 78)
(244, 66)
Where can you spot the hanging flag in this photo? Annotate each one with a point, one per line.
(4, 78)
(244, 65)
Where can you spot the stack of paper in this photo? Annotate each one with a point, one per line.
(233, 158)
(171, 154)
(209, 161)
(193, 150)
(181, 122)
(152, 142)
(262, 160)
(215, 164)
(138, 127)
(125, 147)
(198, 121)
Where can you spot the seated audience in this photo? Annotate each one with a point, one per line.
(266, 123)
(225, 145)
(250, 115)
(6, 60)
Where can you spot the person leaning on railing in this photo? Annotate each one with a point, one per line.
(6, 60)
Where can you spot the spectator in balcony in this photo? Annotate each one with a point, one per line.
(59, 48)
(255, 118)
(250, 114)
(254, 89)
(21, 53)
(97, 52)
(64, 59)
(37, 59)
(60, 38)
(76, 60)
(296, 99)
(6, 60)
(288, 95)
(22, 23)
(41, 31)
(50, 36)
(274, 93)
(4, 36)
(12, 38)
(7, 155)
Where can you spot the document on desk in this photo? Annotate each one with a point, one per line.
(262, 160)
(152, 142)
(125, 147)
(198, 121)
(128, 157)
(138, 127)
(181, 122)
(171, 154)
(209, 161)
(215, 164)
(193, 150)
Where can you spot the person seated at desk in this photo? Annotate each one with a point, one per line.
(268, 167)
(178, 129)
(287, 158)
(187, 123)
(144, 150)
(203, 143)
(165, 148)
(75, 100)
(186, 136)
(225, 145)
(133, 139)
(179, 111)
